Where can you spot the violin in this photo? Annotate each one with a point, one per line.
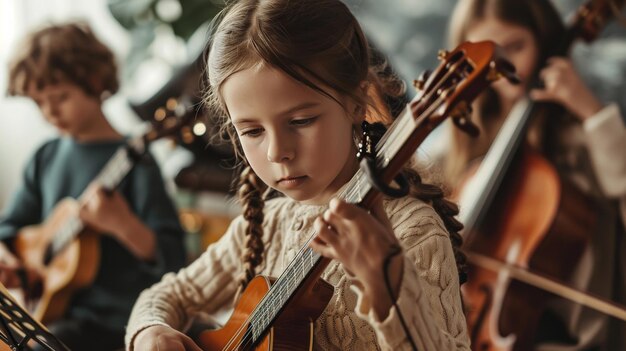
(526, 228)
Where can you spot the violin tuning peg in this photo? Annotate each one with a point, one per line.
(442, 54)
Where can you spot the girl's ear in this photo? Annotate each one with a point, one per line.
(358, 114)
(359, 111)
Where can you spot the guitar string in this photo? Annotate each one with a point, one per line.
(297, 262)
(247, 339)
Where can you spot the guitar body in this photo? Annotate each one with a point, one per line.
(73, 268)
(293, 330)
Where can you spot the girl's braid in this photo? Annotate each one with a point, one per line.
(250, 194)
(446, 209)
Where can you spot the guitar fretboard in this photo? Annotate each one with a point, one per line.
(109, 177)
(306, 259)
(397, 144)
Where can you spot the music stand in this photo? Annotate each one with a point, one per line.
(17, 327)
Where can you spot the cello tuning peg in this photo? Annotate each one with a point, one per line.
(442, 54)
(418, 84)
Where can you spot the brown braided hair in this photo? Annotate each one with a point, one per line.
(250, 193)
(433, 195)
(446, 209)
(334, 56)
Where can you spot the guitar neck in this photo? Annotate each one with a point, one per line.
(111, 175)
(307, 266)
(119, 165)
(447, 91)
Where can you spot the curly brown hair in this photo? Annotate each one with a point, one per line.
(63, 53)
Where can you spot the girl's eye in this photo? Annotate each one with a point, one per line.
(303, 121)
(252, 132)
(514, 47)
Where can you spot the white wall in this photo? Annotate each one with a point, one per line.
(22, 129)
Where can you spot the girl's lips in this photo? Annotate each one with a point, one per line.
(291, 182)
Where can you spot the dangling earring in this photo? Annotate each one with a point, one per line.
(364, 144)
(356, 137)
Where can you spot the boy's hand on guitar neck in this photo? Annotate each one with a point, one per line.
(104, 211)
(160, 337)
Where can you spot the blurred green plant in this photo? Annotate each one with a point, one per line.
(142, 18)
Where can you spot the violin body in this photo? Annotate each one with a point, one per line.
(73, 268)
(537, 222)
(293, 330)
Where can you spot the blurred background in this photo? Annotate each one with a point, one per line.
(158, 43)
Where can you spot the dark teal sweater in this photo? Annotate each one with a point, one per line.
(64, 167)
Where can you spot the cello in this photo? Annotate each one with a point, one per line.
(523, 239)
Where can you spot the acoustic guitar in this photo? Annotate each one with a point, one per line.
(63, 252)
(279, 314)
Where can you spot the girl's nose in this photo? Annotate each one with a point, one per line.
(280, 149)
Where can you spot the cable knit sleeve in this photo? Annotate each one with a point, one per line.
(429, 297)
(606, 141)
(206, 285)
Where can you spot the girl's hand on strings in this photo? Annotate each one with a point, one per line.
(162, 338)
(361, 241)
(564, 86)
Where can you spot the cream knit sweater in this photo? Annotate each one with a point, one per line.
(429, 298)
